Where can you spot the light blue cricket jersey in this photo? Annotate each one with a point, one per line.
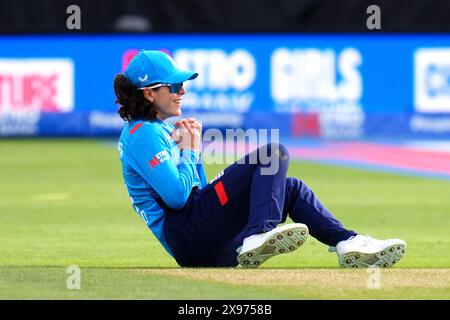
(153, 167)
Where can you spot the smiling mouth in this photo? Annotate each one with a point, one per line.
(177, 101)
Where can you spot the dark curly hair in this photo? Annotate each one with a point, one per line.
(133, 104)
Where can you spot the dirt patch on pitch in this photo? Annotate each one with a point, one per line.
(331, 278)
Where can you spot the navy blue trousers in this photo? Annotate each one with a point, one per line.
(207, 231)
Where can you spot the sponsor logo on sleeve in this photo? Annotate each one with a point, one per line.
(159, 158)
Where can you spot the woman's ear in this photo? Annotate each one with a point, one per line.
(148, 94)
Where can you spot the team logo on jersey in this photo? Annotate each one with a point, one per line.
(159, 158)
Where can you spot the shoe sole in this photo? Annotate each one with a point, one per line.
(284, 241)
(384, 258)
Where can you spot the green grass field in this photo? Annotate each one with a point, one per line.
(63, 203)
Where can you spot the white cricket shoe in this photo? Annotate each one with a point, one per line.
(363, 251)
(257, 248)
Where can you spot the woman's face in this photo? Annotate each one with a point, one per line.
(167, 104)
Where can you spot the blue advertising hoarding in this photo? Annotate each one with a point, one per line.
(333, 86)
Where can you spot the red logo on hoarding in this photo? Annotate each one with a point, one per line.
(306, 124)
(127, 56)
(131, 53)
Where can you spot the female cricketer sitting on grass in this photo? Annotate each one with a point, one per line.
(233, 219)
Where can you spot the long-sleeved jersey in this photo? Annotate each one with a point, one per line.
(154, 169)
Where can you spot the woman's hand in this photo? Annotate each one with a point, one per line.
(188, 134)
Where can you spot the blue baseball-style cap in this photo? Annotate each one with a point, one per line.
(150, 67)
